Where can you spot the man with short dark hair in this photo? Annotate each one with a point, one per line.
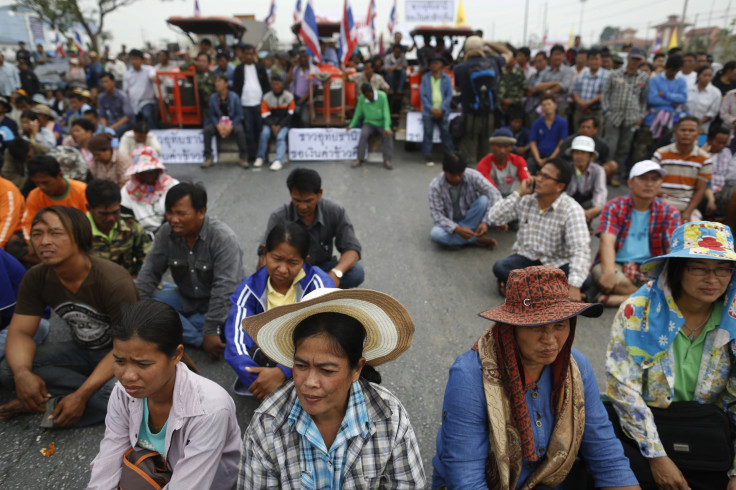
(532, 96)
(459, 200)
(688, 70)
(511, 89)
(225, 116)
(115, 109)
(17, 154)
(9, 78)
(223, 67)
(368, 75)
(116, 236)
(328, 225)
(667, 92)
(395, 65)
(587, 126)
(73, 379)
(722, 187)
(298, 79)
(701, 60)
(556, 79)
(138, 84)
(206, 263)
(588, 89)
(547, 134)
(205, 80)
(28, 80)
(250, 82)
(523, 58)
(277, 109)
(435, 92)
(552, 227)
(373, 113)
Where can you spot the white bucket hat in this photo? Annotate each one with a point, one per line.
(582, 143)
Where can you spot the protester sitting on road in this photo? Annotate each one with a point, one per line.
(69, 380)
(722, 185)
(547, 134)
(670, 358)
(12, 208)
(34, 132)
(145, 192)
(520, 133)
(459, 200)
(225, 117)
(17, 154)
(47, 119)
(108, 163)
(137, 137)
(328, 224)
(373, 114)
(435, 93)
(79, 135)
(93, 116)
(503, 169)
(116, 236)
(332, 340)
(522, 404)
(552, 227)
(201, 447)
(277, 109)
(588, 185)
(206, 264)
(223, 67)
(77, 108)
(589, 127)
(633, 229)
(284, 280)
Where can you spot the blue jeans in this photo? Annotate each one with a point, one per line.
(120, 130)
(502, 268)
(64, 367)
(280, 143)
(444, 124)
(471, 220)
(350, 279)
(39, 338)
(191, 321)
(396, 80)
(301, 114)
(252, 122)
(148, 114)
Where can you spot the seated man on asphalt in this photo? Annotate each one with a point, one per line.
(722, 187)
(552, 227)
(588, 185)
(328, 225)
(547, 134)
(277, 109)
(589, 127)
(459, 200)
(505, 170)
(520, 133)
(633, 229)
(71, 380)
(206, 263)
(115, 236)
(225, 117)
(375, 118)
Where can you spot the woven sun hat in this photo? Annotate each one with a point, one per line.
(582, 143)
(536, 296)
(388, 325)
(502, 136)
(696, 240)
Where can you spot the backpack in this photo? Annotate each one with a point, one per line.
(483, 80)
(143, 469)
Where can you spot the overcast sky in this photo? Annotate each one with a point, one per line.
(500, 19)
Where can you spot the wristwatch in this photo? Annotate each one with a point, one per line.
(337, 272)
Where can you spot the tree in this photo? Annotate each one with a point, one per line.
(609, 34)
(63, 14)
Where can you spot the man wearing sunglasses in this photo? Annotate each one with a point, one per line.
(552, 227)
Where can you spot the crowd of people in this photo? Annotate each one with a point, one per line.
(92, 223)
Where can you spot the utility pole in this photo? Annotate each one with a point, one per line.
(525, 41)
(682, 24)
(544, 25)
(580, 30)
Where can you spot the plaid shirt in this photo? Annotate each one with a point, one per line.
(557, 236)
(624, 97)
(588, 86)
(387, 458)
(723, 172)
(472, 186)
(323, 468)
(126, 245)
(616, 218)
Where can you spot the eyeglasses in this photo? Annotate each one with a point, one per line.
(700, 271)
(546, 176)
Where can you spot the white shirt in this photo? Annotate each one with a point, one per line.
(252, 93)
(139, 86)
(691, 78)
(701, 103)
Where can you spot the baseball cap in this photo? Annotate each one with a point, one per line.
(646, 166)
(637, 52)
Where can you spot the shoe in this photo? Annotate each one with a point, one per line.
(276, 165)
(357, 163)
(615, 182)
(258, 163)
(429, 163)
(387, 165)
(208, 162)
(243, 163)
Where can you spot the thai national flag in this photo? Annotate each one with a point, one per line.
(197, 12)
(298, 11)
(78, 42)
(348, 34)
(392, 19)
(308, 32)
(271, 14)
(371, 21)
(657, 44)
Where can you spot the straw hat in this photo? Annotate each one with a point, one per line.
(536, 296)
(388, 325)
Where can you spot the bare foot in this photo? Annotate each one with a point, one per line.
(357, 163)
(11, 409)
(486, 241)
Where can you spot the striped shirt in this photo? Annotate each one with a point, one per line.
(683, 171)
(12, 207)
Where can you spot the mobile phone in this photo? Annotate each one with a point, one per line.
(531, 185)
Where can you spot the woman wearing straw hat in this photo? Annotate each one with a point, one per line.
(670, 363)
(332, 340)
(538, 396)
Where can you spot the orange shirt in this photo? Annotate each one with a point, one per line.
(74, 197)
(12, 207)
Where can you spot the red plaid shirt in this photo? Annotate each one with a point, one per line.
(616, 217)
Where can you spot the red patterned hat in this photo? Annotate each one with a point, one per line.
(537, 296)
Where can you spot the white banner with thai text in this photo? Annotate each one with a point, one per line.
(323, 144)
(430, 11)
(183, 145)
(415, 127)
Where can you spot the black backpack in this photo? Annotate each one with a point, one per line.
(483, 79)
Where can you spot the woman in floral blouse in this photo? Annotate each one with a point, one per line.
(673, 341)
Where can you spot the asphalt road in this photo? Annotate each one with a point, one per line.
(443, 290)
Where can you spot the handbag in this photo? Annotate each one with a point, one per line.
(143, 469)
(696, 436)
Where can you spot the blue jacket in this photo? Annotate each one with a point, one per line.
(11, 274)
(425, 93)
(234, 109)
(249, 299)
(673, 92)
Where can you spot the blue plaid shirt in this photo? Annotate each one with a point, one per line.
(325, 467)
(588, 86)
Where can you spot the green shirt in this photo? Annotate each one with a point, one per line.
(126, 244)
(436, 92)
(149, 440)
(688, 355)
(376, 112)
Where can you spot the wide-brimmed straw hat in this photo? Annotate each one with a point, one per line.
(696, 240)
(388, 325)
(536, 296)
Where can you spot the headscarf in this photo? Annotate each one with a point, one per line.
(145, 159)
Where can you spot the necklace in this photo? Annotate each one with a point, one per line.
(691, 336)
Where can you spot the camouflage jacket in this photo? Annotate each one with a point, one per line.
(127, 244)
(512, 85)
(205, 87)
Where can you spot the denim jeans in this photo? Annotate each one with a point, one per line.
(502, 268)
(39, 338)
(366, 131)
(238, 132)
(252, 123)
(301, 114)
(64, 367)
(471, 220)
(148, 114)
(121, 130)
(350, 279)
(396, 80)
(444, 124)
(280, 143)
(191, 321)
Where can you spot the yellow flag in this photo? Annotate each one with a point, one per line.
(570, 42)
(460, 15)
(673, 39)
